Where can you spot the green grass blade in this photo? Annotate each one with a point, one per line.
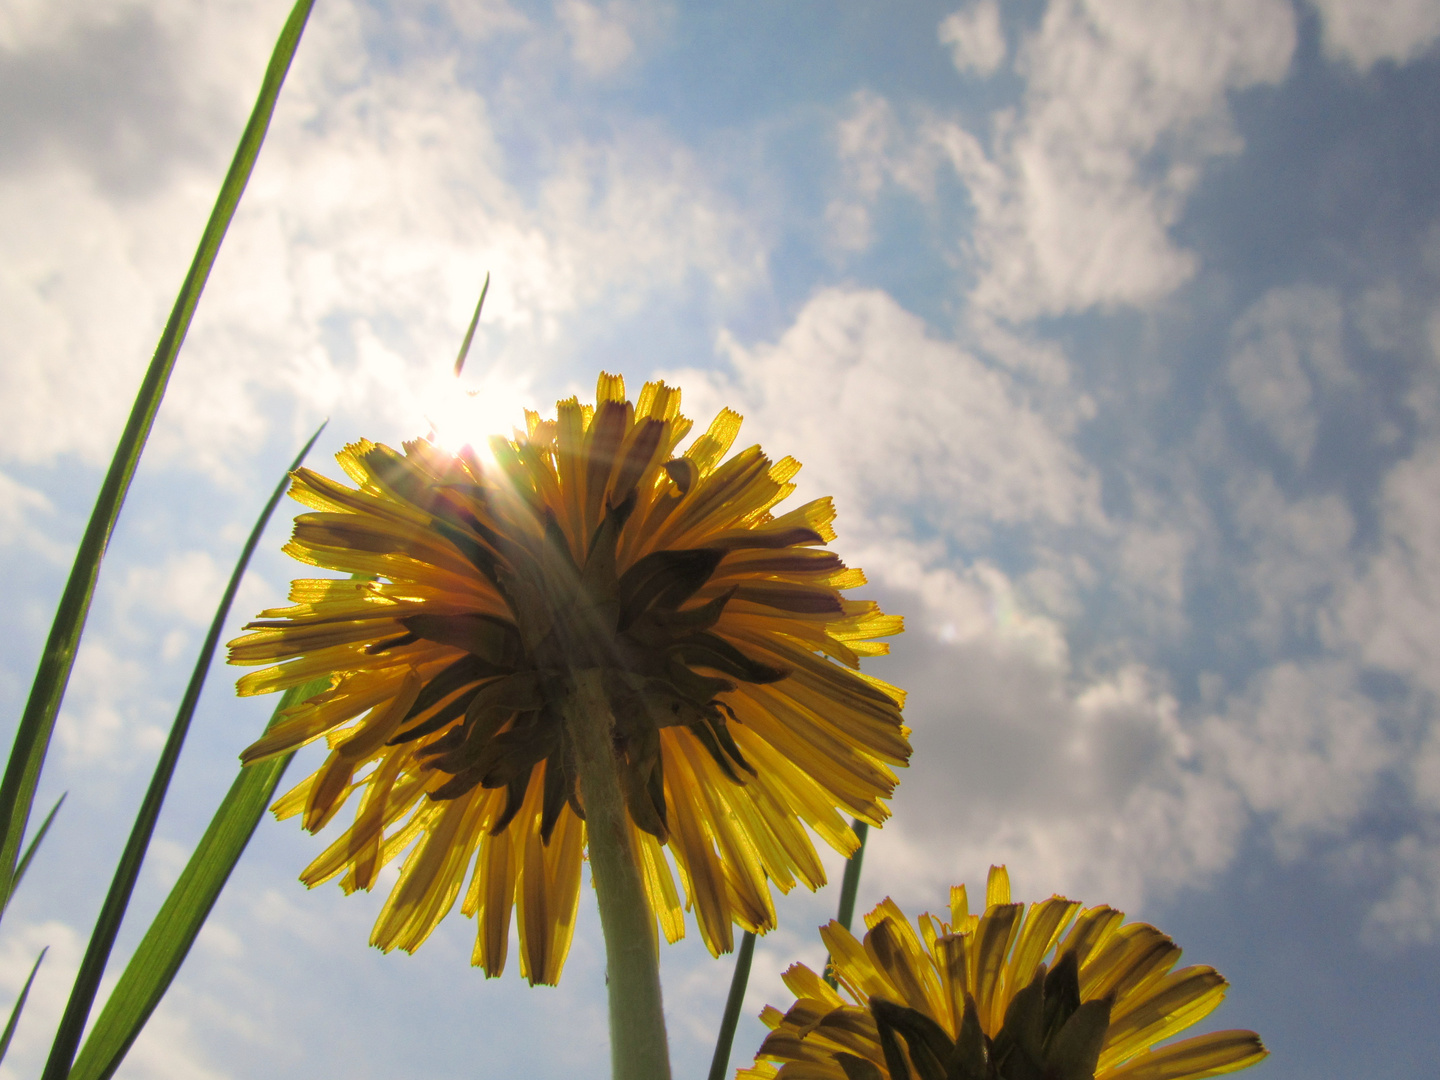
(470, 333)
(165, 945)
(849, 886)
(9, 1032)
(32, 736)
(720, 1063)
(107, 926)
(24, 863)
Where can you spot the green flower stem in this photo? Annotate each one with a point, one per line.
(850, 882)
(638, 1046)
(849, 886)
(725, 1041)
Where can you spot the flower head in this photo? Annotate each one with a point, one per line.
(973, 999)
(727, 654)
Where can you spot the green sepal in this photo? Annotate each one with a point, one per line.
(714, 652)
(1019, 1046)
(486, 636)
(1062, 995)
(664, 580)
(930, 1047)
(1075, 1051)
(971, 1060)
(857, 1068)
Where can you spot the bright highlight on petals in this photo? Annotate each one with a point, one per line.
(728, 655)
(1048, 993)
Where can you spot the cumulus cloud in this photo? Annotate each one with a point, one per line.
(1084, 776)
(1076, 191)
(975, 38)
(1305, 748)
(1074, 202)
(381, 199)
(1365, 34)
(1390, 611)
(19, 949)
(1082, 782)
(1288, 350)
(1298, 558)
(910, 427)
(19, 506)
(603, 38)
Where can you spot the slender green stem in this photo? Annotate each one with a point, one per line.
(720, 1063)
(638, 1046)
(849, 886)
(850, 883)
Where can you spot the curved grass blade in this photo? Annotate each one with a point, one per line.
(32, 736)
(107, 926)
(165, 945)
(9, 1032)
(849, 886)
(24, 863)
(167, 942)
(470, 333)
(720, 1063)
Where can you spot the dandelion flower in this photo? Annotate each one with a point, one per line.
(723, 645)
(973, 999)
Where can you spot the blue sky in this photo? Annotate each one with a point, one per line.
(1113, 327)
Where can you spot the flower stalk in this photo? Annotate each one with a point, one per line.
(639, 1049)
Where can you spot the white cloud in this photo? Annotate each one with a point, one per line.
(1085, 783)
(1365, 32)
(1083, 776)
(975, 38)
(1409, 913)
(1076, 200)
(1390, 612)
(902, 427)
(1305, 748)
(1286, 352)
(378, 204)
(1076, 191)
(20, 946)
(1297, 558)
(602, 39)
(875, 150)
(187, 585)
(19, 505)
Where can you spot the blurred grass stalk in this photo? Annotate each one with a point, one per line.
(37, 723)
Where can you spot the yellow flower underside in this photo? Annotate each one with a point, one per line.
(730, 655)
(991, 958)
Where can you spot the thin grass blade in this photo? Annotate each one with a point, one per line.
(32, 736)
(165, 945)
(849, 886)
(9, 1032)
(470, 333)
(107, 926)
(720, 1063)
(24, 863)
